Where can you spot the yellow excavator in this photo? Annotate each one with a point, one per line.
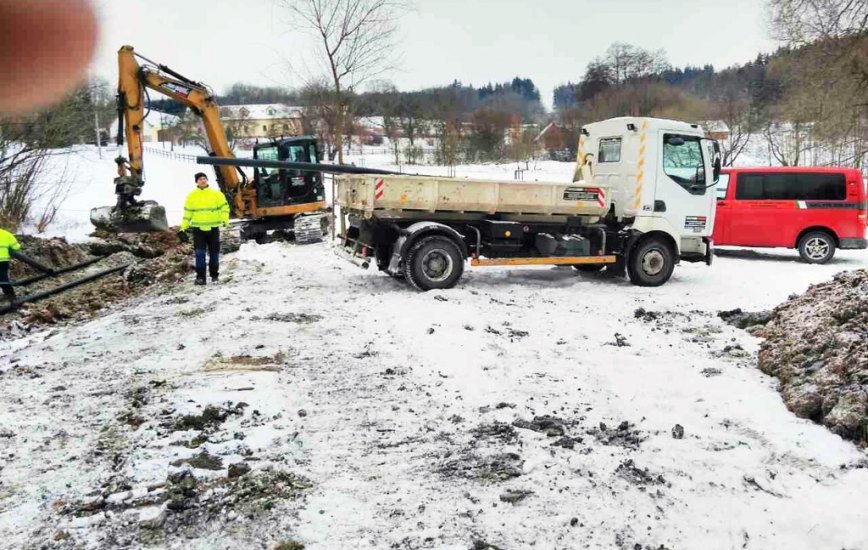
(284, 199)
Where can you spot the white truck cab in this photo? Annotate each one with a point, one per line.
(661, 176)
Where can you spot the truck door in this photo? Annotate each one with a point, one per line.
(685, 183)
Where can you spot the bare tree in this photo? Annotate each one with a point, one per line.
(800, 22)
(356, 38)
(734, 108)
(829, 73)
(33, 183)
(626, 61)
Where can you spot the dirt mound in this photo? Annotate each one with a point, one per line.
(153, 259)
(817, 346)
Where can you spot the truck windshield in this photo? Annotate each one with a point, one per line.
(682, 162)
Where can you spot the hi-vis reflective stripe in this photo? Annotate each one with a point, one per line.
(379, 190)
(205, 209)
(640, 166)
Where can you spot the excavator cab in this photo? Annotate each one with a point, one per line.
(287, 187)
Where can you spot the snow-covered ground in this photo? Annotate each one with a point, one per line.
(398, 407)
(401, 392)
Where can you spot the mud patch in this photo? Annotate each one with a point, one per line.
(551, 426)
(495, 468)
(745, 319)
(624, 435)
(634, 475)
(210, 418)
(298, 318)
(499, 431)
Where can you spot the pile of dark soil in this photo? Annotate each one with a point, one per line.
(153, 258)
(816, 344)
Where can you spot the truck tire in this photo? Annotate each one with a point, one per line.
(651, 262)
(817, 247)
(433, 262)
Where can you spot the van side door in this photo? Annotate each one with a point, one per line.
(723, 216)
(756, 217)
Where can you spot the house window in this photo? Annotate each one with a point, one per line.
(264, 128)
(610, 150)
(286, 127)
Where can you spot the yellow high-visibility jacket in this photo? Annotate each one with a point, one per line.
(205, 209)
(7, 242)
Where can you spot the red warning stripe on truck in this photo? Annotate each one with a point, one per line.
(379, 189)
(595, 194)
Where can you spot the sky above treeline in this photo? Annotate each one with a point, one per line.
(220, 42)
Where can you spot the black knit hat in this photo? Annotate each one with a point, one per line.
(200, 175)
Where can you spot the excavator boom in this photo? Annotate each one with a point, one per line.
(134, 79)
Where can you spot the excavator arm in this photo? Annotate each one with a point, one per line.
(133, 82)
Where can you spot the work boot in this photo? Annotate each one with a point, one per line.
(199, 281)
(215, 278)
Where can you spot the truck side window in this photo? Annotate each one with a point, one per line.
(682, 162)
(610, 150)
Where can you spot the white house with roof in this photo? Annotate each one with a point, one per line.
(265, 120)
(155, 122)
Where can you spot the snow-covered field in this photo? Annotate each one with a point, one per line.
(398, 408)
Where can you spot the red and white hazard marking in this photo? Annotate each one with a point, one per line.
(379, 190)
(601, 197)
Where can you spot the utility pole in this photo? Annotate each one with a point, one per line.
(96, 131)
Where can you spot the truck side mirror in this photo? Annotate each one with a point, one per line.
(716, 161)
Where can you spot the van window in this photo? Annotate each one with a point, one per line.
(610, 150)
(791, 187)
(722, 186)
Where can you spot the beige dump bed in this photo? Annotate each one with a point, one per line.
(395, 193)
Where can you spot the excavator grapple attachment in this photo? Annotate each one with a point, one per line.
(145, 217)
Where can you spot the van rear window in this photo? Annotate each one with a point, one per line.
(791, 187)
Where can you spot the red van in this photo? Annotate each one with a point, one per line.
(814, 210)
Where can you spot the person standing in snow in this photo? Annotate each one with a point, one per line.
(205, 210)
(8, 244)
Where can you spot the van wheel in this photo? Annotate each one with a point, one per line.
(433, 262)
(817, 247)
(651, 262)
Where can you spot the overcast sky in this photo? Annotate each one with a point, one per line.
(220, 42)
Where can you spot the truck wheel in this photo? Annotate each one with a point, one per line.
(433, 262)
(651, 263)
(817, 247)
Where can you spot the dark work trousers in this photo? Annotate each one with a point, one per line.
(8, 291)
(210, 241)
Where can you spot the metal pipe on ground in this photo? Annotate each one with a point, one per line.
(58, 289)
(301, 166)
(60, 271)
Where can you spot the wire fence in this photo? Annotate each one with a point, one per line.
(170, 154)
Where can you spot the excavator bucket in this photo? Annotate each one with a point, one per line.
(146, 217)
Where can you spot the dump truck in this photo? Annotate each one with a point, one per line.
(641, 201)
